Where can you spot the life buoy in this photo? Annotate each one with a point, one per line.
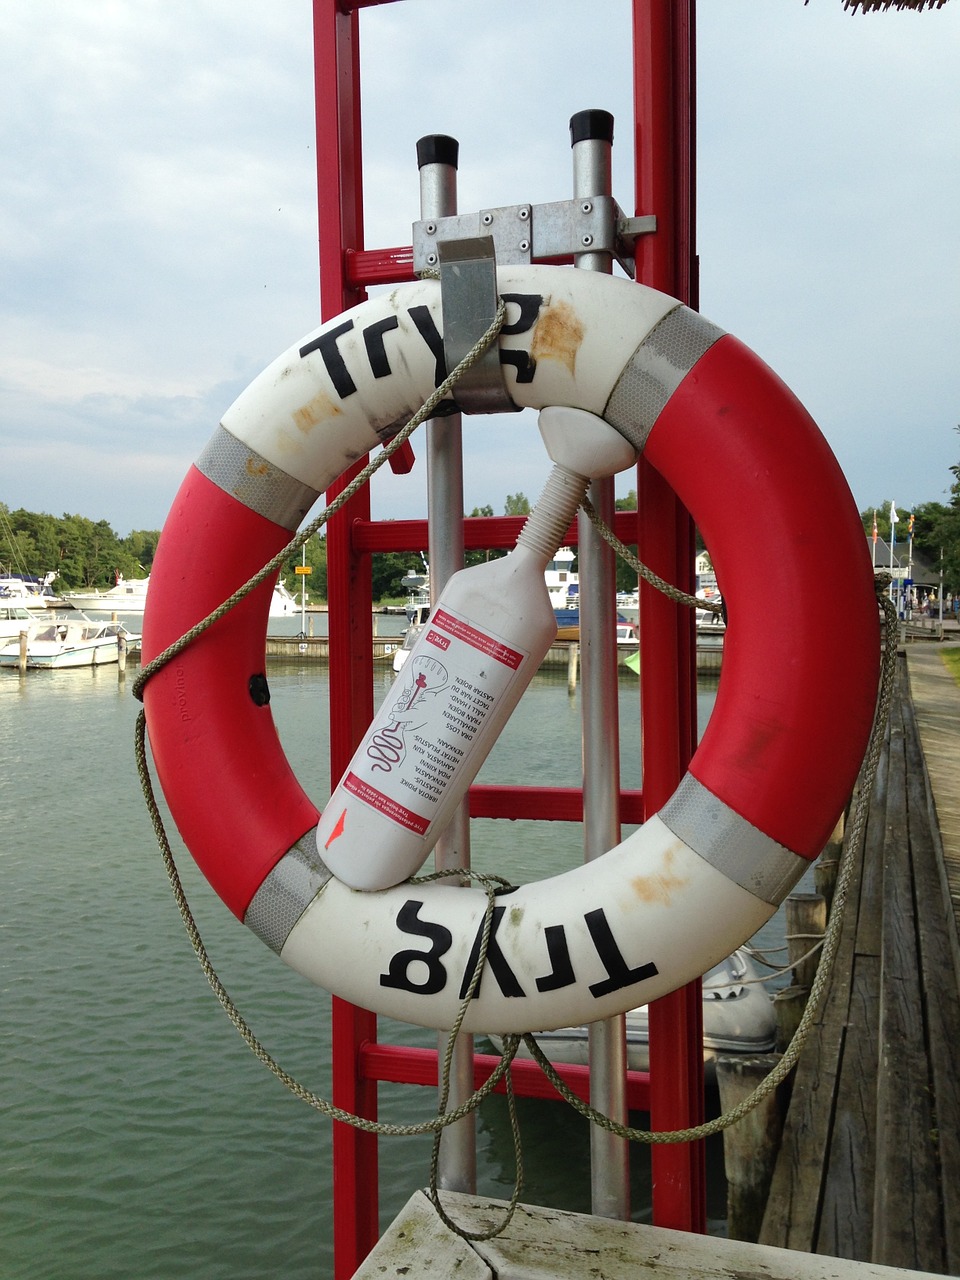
(768, 780)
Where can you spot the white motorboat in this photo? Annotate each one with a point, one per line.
(417, 615)
(73, 642)
(738, 1017)
(627, 635)
(28, 592)
(563, 588)
(129, 596)
(14, 618)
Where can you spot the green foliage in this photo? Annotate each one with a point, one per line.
(936, 530)
(516, 504)
(85, 553)
(316, 559)
(388, 568)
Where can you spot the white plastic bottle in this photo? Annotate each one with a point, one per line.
(487, 635)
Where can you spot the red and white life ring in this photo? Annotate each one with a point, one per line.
(769, 778)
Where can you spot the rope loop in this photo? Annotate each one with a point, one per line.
(493, 884)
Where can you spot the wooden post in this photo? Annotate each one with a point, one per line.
(789, 1005)
(827, 866)
(121, 655)
(573, 653)
(806, 922)
(825, 872)
(751, 1145)
(22, 657)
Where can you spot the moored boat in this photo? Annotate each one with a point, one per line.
(738, 1017)
(29, 592)
(14, 618)
(74, 642)
(129, 596)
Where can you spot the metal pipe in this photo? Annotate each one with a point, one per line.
(437, 157)
(591, 138)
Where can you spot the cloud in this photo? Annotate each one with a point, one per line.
(158, 219)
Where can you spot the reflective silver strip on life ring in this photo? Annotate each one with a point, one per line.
(655, 370)
(287, 892)
(256, 483)
(731, 844)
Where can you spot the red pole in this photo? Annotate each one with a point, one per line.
(664, 117)
(340, 214)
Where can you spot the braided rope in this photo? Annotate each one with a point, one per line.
(445, 1118)
(831, 940)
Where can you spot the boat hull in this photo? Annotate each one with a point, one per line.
(738, 1018)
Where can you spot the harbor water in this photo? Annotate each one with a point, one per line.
(140, 1136)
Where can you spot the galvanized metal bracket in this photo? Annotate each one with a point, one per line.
(523, 233)
(468, 301)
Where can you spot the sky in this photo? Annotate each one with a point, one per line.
(158, 241)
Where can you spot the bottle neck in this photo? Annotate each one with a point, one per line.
(546, 527)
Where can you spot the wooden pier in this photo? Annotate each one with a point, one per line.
(867, 1182)
(316, 649)
(869, 1166)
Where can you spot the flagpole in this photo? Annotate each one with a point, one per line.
(873, 556)
(894, 596)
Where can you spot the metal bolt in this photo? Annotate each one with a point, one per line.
(586, 241)
(524, 246)
(487, 219)
(586, 207)
(431, 228)
(431, 259)
(523, 213)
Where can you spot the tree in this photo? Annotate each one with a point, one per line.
(947, 533)
(314, 555)
(516, 505)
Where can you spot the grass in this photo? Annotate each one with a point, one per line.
(951, 659)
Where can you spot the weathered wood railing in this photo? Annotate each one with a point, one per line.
(869, 1166)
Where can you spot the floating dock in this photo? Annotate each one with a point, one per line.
(317, 649)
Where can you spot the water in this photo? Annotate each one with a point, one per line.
(140, 1136)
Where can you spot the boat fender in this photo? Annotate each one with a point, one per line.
(772, 772)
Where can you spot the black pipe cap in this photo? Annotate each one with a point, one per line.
(437, 148)
(594, 126)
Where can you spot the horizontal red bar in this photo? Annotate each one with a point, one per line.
(480, 533)
(348, 5)
(559, 804)
(403, 1064)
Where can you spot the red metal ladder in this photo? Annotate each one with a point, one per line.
(663, 133)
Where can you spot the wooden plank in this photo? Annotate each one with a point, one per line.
(418, 1244)
(939, 981)
(792, 1216)
(869, 940)
(907, 1224)
(548, 1244)
(846, 1219)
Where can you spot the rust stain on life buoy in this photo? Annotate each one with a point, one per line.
(256, 467)
(314, 412)
(558, 335)
(658, 889)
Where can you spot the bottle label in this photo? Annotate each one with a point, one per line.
(454, 680)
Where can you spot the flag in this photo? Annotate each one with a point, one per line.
(893, 514)
(910, 525)
(874, 527)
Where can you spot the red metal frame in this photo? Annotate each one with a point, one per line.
(664, 42)
(664, 51)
